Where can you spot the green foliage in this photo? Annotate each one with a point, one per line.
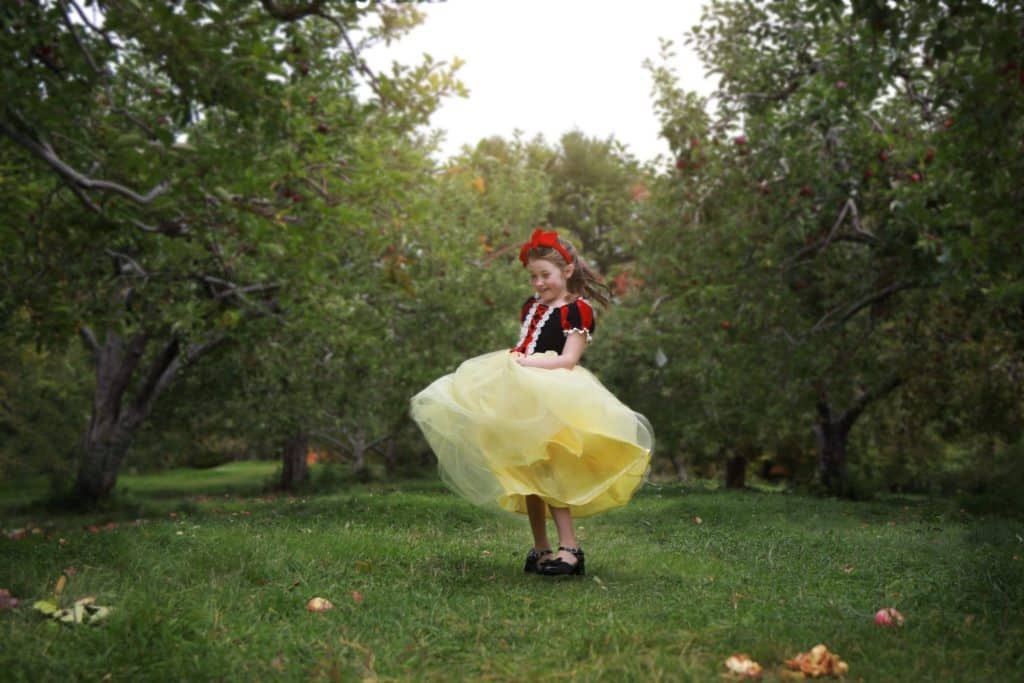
(179, 176)
(43, 405)
(831, 226)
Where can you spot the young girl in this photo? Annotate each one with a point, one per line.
(530, 430)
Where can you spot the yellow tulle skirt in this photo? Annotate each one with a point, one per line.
(502, 432)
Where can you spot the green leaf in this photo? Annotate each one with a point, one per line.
(45, 606)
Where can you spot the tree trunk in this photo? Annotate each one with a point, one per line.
(109, 434)
(114, 421)
(98, 465)
(295, 469)
(736, 472)
(359, 461)
(390, 458)
(831, 453)
(680, 465)
(832, 434)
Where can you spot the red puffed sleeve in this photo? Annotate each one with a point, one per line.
(578, 317)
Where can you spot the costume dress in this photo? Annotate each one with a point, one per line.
(502, 431)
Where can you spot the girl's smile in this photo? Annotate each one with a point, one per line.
(549, 281)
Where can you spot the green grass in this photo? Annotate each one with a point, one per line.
(219, 591)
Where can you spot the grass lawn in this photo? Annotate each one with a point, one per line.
(212, 584)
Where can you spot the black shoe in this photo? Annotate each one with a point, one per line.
(533, 560)
(563, 568)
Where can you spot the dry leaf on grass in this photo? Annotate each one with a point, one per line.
(84, 611)
(818, 662)
(741, 666)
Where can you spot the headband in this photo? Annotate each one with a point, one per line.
(539, 238)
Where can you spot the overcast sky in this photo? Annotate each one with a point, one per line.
(552, 66)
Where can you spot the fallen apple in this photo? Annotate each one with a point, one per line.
(889, 616)
(742, 666)
(319, 605)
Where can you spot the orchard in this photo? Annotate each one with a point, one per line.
(214, 237)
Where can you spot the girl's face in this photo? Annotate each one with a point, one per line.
(548, 280)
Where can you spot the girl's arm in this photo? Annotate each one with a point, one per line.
(574, 345)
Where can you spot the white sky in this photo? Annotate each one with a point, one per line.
(551, 67)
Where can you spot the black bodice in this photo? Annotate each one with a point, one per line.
(545, 328)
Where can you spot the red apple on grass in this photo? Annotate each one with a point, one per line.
(889, 616)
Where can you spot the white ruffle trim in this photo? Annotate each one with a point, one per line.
(525, 328)
(578, 330)
(540, 326)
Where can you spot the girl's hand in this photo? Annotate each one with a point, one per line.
(520, 358)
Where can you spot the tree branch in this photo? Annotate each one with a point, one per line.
(794, 83)
(146, 393)
(851, 415)
(162, 372)
(73, 177)
(920, 100)
(96, 29)
(231, 289)
(864, 302)
(860, 235)
(291, 13)
(126, 264)
(90, 342)
(315, 8)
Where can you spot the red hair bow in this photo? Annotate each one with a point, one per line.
(539, 238)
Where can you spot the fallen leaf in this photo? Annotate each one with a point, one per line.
(968, 620)
(698, 520)
(364, 565)
(45, 606)
(277, 663)
(847, 568)
(97, 613)
(62, 541)
(741, 666)
(319, 605)
(93, 529)
(83, 611)
(61, 582)
(357, 597)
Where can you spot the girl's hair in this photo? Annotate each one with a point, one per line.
(584, 281)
